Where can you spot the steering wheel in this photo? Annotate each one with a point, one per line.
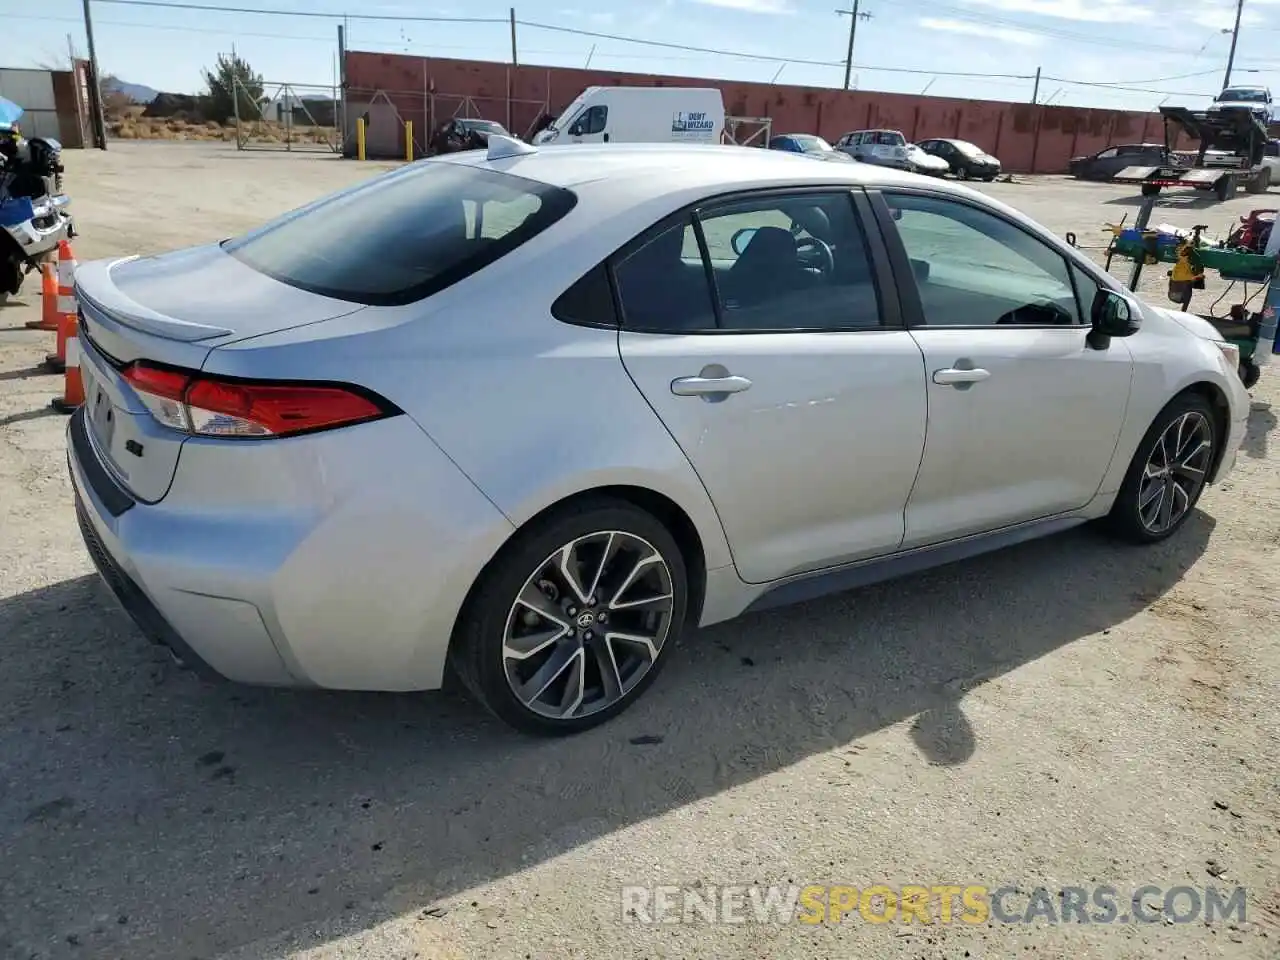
(811, 249)
(1038, 313)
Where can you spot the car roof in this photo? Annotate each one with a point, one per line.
(673, 167)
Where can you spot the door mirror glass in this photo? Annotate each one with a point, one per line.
(1112, 315)
(740, 240)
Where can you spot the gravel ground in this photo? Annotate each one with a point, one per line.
(1066, 713)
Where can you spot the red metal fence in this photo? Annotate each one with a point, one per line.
(1026, 138)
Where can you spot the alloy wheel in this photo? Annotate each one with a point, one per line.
(1175, 472)
(588, 625)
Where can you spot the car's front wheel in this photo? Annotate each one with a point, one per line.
(1168, 472)
(570, 624)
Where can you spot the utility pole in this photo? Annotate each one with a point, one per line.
(95, 89)
(1235, 33)
(1035, 91)
(854, 16)
(515, 61)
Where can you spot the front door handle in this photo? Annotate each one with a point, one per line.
(709, 388)
(957, 376)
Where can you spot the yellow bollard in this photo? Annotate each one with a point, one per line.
(360, 138)
(408, 141)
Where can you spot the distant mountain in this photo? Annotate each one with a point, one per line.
(137, 92)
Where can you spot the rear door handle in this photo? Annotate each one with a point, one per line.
(709, 388)
(956, 376)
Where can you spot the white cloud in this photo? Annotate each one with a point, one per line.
(602, 19)
(752, 6)
(1094, 11)
(1003, 34)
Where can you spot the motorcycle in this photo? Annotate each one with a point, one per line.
(33, 206)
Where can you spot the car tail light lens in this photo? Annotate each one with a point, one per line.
(220, 407)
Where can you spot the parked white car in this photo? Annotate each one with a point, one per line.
(528, 415)
(925, 163)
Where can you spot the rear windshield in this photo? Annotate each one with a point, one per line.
(812, 143)
(487, 126)
(1243, 95)
(405, 235)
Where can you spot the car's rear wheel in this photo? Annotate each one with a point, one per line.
(570, 624)
(1168, 472)
(962, 172)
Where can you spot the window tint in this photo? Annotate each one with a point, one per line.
(977, 269)
(1108, 154)
(592, 121)
(435, 225)
(662, 286)
(589, 301)
(786, 263)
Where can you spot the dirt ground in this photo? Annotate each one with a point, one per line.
(1067, 713)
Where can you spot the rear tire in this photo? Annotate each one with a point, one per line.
(1168, 472)
(962, 173)
(546, 659)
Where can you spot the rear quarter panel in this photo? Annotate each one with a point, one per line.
(532, 410)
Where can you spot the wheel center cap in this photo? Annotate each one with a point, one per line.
(586, 619)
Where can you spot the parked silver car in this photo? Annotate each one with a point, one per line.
(524, 416)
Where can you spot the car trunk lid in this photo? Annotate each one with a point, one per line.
(170, 310)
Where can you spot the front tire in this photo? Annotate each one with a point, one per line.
(571, 623)
(1168, 472)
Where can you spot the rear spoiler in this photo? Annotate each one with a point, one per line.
(95, 286)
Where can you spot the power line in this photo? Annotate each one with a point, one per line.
(273, 12)
(968, 14)
(765, 57)
(1119, 86)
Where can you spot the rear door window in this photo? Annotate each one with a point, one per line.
(403, 236)
(663, 285)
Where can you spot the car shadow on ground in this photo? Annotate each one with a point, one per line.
(148, 814)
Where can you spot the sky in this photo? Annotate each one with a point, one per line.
(1129, 54)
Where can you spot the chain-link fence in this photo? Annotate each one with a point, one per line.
(288, 116)
(385, 113)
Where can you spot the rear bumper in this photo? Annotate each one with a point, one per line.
(300, 562)
(893, 163)
(135, 602)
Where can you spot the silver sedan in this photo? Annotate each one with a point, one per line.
(525, 416)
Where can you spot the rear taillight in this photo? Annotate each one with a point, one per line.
(218, 407)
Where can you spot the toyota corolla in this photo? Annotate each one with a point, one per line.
(523, 416)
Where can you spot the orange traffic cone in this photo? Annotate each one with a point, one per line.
(68, 307)
(68, 327)
(48, 300)
(72, 385)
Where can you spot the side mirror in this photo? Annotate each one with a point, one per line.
(740, 239)
(1111, 316)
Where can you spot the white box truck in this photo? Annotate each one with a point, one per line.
(639, 115)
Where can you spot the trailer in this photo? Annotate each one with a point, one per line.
(1232, 154)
